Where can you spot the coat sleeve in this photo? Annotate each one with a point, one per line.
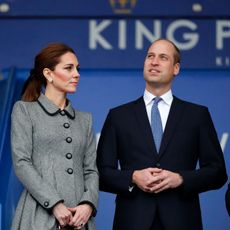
(227, 199)
(22, 155)
(91, 176)
(211, 173)
(112, 178)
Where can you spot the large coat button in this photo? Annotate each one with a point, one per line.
(46, 204)
(68, 156)
(70, 171)
(66, 125)
(68, 139)
(62, 112)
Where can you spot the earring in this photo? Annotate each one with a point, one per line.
(50, 79)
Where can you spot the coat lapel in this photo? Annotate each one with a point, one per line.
(174, 118)
(143, 122)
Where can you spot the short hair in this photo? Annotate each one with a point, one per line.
(177, 55)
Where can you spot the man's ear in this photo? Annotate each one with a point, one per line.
(176, 68)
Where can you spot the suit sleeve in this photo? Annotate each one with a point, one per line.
(22, 151)
(211, 173)
(90, 194)
(112, 179)
(227, 199)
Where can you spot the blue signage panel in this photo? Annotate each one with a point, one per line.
(114, 7)
(116, 43)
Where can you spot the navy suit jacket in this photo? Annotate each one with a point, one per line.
(227, 199)
(126, 144)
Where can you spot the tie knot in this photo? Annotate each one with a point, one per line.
(156, 100)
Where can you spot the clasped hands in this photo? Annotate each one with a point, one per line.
(155, 180)
(76, 217)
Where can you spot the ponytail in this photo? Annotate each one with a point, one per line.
(32, 87)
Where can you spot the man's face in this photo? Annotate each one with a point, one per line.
(159, 66)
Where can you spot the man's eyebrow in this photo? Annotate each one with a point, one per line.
(159, 54)
(164, 54)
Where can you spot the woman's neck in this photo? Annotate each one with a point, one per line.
(59, 99)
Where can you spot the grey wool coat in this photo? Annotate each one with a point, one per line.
(54, 155)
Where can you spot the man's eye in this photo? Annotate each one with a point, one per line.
(164, 58)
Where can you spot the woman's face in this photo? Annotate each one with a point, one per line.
(65, 75)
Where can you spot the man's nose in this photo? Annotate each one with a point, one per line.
(155, 61)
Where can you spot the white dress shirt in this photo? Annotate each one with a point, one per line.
(164, 105)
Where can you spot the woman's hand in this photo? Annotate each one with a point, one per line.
(62, 214)
(81, 215)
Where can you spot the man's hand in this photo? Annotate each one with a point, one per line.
(166, 179)
(155, 180)
(145, 178)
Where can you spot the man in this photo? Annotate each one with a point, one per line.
(227, 199)
(157, 187)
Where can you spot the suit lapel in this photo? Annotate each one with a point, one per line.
(174, 117)
(143, 122)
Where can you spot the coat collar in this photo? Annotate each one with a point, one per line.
(145, 128)
(174, 118)
(51, 109)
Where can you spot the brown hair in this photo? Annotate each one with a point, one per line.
(177, 55)
(48, 57)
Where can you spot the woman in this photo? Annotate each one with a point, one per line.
(53, 148)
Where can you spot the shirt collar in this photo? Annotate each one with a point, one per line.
(51, 109)
(166, 97)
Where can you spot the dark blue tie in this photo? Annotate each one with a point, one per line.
(156, 123)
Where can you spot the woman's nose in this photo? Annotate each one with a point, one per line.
(76, 73)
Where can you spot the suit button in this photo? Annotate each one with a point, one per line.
(68, 139)
(158, 165)
(70, 171)
(68, 156)
(46, 204)
(66, 125)
(62, 112)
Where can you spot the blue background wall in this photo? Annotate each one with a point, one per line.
(111, 42)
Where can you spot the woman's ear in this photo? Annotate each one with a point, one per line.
(47, 74)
